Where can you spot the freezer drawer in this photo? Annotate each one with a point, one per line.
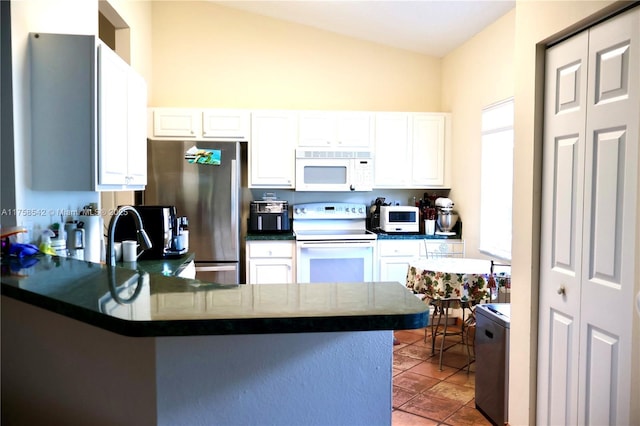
(492, 361)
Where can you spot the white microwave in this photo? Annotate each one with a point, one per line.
(333, 170)
(399, 219)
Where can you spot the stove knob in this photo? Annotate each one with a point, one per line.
(360, 210)
(353, 209)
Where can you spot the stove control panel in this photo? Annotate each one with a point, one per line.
(329, 211)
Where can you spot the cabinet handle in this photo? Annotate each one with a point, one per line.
(562, 291)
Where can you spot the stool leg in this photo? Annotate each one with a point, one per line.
(465, 340)
(434, 329)
(444, 334)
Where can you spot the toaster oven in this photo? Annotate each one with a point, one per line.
(399, 219)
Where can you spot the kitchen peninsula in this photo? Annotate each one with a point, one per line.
(86, 344)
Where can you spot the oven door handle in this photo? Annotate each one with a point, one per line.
(336, 244)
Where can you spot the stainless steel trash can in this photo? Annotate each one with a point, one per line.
(492, 361)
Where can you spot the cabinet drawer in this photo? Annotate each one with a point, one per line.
(442, 248)
(399, 248)
(270, 249)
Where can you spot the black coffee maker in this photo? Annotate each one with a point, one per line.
(160, 224)
(374, 219)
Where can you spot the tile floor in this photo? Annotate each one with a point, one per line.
(424, 395)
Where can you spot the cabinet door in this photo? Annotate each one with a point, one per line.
(137, 127)
(182, 123)
(272, 149)
(226, 124)
(335, 129)
(392, 150)
(395, 257)
(354, 129)
(428, 150)
(113, 134)
(270, 271)
(316, 129)
(395, 269)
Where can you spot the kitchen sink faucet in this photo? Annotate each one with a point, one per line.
(141, 235)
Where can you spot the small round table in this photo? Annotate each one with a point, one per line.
(450, 283)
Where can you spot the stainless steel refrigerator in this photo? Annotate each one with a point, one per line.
(202, 180)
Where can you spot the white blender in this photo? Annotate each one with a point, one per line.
(446, 218)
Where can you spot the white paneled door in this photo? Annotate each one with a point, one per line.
(587, 373)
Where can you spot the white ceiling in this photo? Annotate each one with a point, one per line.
(432, 27)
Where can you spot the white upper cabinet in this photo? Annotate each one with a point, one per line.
(174, 123)
(199, 124)
(272, 149)
(226, 124)
(392, 150)
(122, 99)
(429, 145)
(88, 116)
(335, 129)
(412, 150)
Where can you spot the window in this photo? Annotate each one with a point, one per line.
(496, 183)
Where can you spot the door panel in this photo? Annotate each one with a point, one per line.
(561, 222)
(559, 373)
(610, 222)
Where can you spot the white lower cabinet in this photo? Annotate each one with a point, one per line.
(395, 256)
(270, 262)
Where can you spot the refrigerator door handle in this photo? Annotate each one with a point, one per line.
(235, 191)
(216, 268)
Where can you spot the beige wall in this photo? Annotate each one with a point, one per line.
(475, 75)
(206, 55)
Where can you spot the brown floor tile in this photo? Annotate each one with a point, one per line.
(424, 395)
(467, 417)
(430, 369)
(445, 390)
(415, 351)
(463, 379)
(432, 407)
(451, 359)
(403, 362)
(399, 345)
(414, 382)
(401, 396)
(407, 336)
(402, 418)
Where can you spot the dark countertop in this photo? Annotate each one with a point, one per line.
(415, 236)
(171, 266)
(115, 299)
(276, 236)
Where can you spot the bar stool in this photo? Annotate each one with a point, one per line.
(443, 306)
